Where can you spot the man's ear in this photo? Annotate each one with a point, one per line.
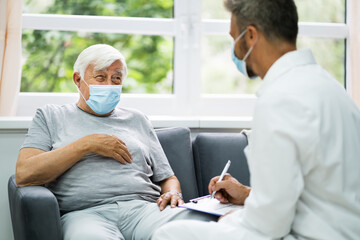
(76, 79)
(253, 35)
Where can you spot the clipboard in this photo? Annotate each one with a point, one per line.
(210, 205)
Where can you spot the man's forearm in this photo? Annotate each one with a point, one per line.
(170, 193)
(37, 167)
(170, 184)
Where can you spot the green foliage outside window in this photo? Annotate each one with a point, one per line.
(49, 56)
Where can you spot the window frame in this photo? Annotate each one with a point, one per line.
(187, 28)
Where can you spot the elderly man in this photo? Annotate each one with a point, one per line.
(304, 149)
(104, 164)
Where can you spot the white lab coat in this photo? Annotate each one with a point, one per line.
(304, 160)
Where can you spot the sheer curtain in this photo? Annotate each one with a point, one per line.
(355, 51)
(10, 55)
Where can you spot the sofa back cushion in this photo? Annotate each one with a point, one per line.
(176, 143)
(213, 150)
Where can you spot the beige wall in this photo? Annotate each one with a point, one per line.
(10, 141)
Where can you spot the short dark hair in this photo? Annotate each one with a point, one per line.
(276, 19)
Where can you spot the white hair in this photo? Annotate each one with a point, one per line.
(101, 56)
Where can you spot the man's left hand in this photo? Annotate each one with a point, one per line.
(171, 197)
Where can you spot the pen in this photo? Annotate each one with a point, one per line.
(195, 200)
(222, 175)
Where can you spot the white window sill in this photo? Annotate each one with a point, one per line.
(7, 123)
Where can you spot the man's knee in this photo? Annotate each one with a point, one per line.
(81, 235)
(89, 227)
(93, 234)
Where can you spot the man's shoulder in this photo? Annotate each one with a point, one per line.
(287, 105)
(132, 117)
(58, 107)
(130, 112)
(307, 85)
(49, 110)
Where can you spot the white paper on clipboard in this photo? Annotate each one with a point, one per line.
(210, 205)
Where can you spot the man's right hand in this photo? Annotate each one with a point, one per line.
(229, 190)
(109, 146)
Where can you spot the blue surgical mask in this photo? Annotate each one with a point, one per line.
(241, 64)
(103, 98)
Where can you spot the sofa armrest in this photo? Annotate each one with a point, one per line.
(34, 212)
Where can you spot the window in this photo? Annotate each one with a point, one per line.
(329, 50)
(50, 54)
(178, 52)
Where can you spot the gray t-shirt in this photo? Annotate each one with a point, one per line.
(96, 179)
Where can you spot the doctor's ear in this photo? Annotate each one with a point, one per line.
(253, 34)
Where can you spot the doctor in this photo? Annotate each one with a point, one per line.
(304, 149)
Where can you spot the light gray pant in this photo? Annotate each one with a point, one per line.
(128, 220)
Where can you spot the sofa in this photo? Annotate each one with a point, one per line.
(35, 212)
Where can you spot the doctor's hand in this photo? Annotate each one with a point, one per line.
(171, 197)
(229, 190)
(109, 146)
